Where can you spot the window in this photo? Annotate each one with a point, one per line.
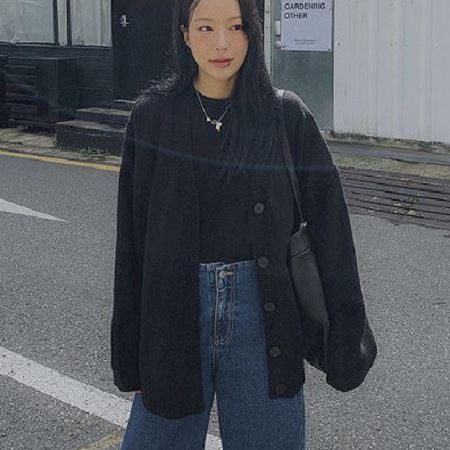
(26, 21)
(79, 22)
(91, 22)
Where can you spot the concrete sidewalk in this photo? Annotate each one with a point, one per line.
(391, 159)
(376, 157)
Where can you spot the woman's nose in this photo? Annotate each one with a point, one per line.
(221, 39)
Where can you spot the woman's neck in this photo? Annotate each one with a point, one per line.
(215, 92)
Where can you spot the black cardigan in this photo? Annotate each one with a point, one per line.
(154, 327)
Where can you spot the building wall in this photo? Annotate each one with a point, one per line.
(40, 29)
(391, 68)
(94, 68)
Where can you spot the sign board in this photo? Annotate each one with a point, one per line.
(307, 26)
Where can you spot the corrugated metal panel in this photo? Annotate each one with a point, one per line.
(392, 68)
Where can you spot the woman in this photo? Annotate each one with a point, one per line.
(203, 300)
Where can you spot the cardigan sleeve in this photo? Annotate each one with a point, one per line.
(125, 324)
(351, 345)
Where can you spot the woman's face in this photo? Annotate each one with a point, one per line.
(215, 32)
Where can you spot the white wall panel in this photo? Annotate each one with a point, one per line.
(392, 68)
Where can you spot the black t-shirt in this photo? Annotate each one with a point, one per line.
(224, 230)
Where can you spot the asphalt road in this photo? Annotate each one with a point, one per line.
(56, 290)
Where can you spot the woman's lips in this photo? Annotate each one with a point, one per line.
(222, 63)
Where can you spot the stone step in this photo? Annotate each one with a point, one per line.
(83, 134)
(126, 105)
(112, 116)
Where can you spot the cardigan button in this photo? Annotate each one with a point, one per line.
(280, 388)
(258, 208)
(269, 306)
(263, 261)
(274, 351)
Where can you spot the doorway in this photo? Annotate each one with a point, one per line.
(140, 39)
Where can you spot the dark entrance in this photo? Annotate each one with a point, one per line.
(141, 33)
(140, 39)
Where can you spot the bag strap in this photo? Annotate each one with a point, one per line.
(288, 160)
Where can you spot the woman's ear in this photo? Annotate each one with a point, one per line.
(185, 32)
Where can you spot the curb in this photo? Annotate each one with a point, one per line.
(421, 169)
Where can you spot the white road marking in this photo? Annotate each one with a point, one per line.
(213, 442)
(104, 405)
(75, 393)
(14, 208)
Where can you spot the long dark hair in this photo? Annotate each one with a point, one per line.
(255, 107)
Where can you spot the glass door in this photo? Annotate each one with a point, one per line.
(308, 73)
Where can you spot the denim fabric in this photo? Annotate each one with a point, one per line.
(233, 352)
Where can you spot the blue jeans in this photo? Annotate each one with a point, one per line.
(234, 366)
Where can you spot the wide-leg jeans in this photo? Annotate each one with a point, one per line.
(234, 368)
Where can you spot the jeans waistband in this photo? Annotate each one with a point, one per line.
(214, 265)
(217, 271)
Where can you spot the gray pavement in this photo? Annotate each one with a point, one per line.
(55, 304)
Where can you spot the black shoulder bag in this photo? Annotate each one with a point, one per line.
(305, 276)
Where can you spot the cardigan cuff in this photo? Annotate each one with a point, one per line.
(127, 383)
(351, 349)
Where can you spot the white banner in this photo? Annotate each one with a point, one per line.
(307, 26)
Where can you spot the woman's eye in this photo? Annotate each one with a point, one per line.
(206, 26)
